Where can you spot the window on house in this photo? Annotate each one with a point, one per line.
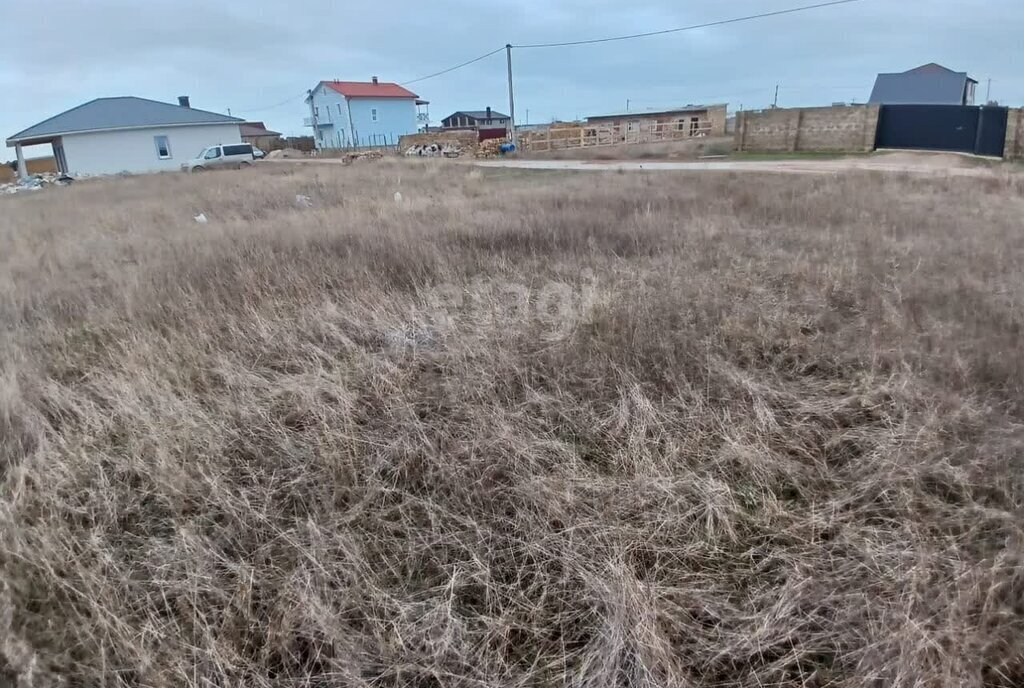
(694, 125)
(339, 109)
(316, 111)
(163, 147)
(633, 125)
(373, 114)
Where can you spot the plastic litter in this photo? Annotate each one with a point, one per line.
(201, 218)
(36, 182)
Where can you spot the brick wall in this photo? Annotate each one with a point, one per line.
(839, 129)
(1014, 135)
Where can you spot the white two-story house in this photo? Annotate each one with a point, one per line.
(347, 114)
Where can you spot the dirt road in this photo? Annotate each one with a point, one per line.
(941, 164)
(935, 164)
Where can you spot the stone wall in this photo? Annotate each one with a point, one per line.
(839, 129)
(1014, 135)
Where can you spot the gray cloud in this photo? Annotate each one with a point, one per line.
(247, 55)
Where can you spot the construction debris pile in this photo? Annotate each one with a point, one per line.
(439, 144)
(285, 153)
(434, 150)
(36, 182)
(491, 148)
(356, 156)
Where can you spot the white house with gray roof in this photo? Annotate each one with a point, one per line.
(127, 134)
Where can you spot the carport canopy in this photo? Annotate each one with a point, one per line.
(18, 143)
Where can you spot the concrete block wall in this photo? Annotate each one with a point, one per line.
(840, 129)
(1014, 135)
(717, 117)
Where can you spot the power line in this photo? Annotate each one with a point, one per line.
(452, 69)
(275, 105)
(693, 27)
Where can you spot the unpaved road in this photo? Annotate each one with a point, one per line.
(939, 164)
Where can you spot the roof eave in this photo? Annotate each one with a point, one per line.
(378, 97)
(667, 111)
(47, 138)
(31, 140)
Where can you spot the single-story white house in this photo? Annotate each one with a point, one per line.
(127, 134)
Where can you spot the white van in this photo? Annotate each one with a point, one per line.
(235, 155)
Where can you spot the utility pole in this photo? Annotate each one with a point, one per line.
(511, 97)
(309, 97)
(988, 93)
(627, 104)
(527, 116)
(775, 103)
(229, 109)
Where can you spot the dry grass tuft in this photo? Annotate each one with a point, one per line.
(514, 430)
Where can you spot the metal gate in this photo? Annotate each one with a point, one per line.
(978, 130)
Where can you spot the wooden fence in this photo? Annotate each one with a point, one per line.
(583, 136)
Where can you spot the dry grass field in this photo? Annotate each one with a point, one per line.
(516, 429)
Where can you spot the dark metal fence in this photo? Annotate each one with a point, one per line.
(977, 130)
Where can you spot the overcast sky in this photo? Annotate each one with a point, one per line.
(250, 55)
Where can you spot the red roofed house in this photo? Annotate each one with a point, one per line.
(346, 114)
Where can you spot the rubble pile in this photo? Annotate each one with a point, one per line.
(434, 150)
(356, 156)
(491, 148)
(439, 144)
(285, 153)
(36, 182)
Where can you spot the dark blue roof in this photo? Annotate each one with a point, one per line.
(927, 85)
(478, 114)
(124, 112)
